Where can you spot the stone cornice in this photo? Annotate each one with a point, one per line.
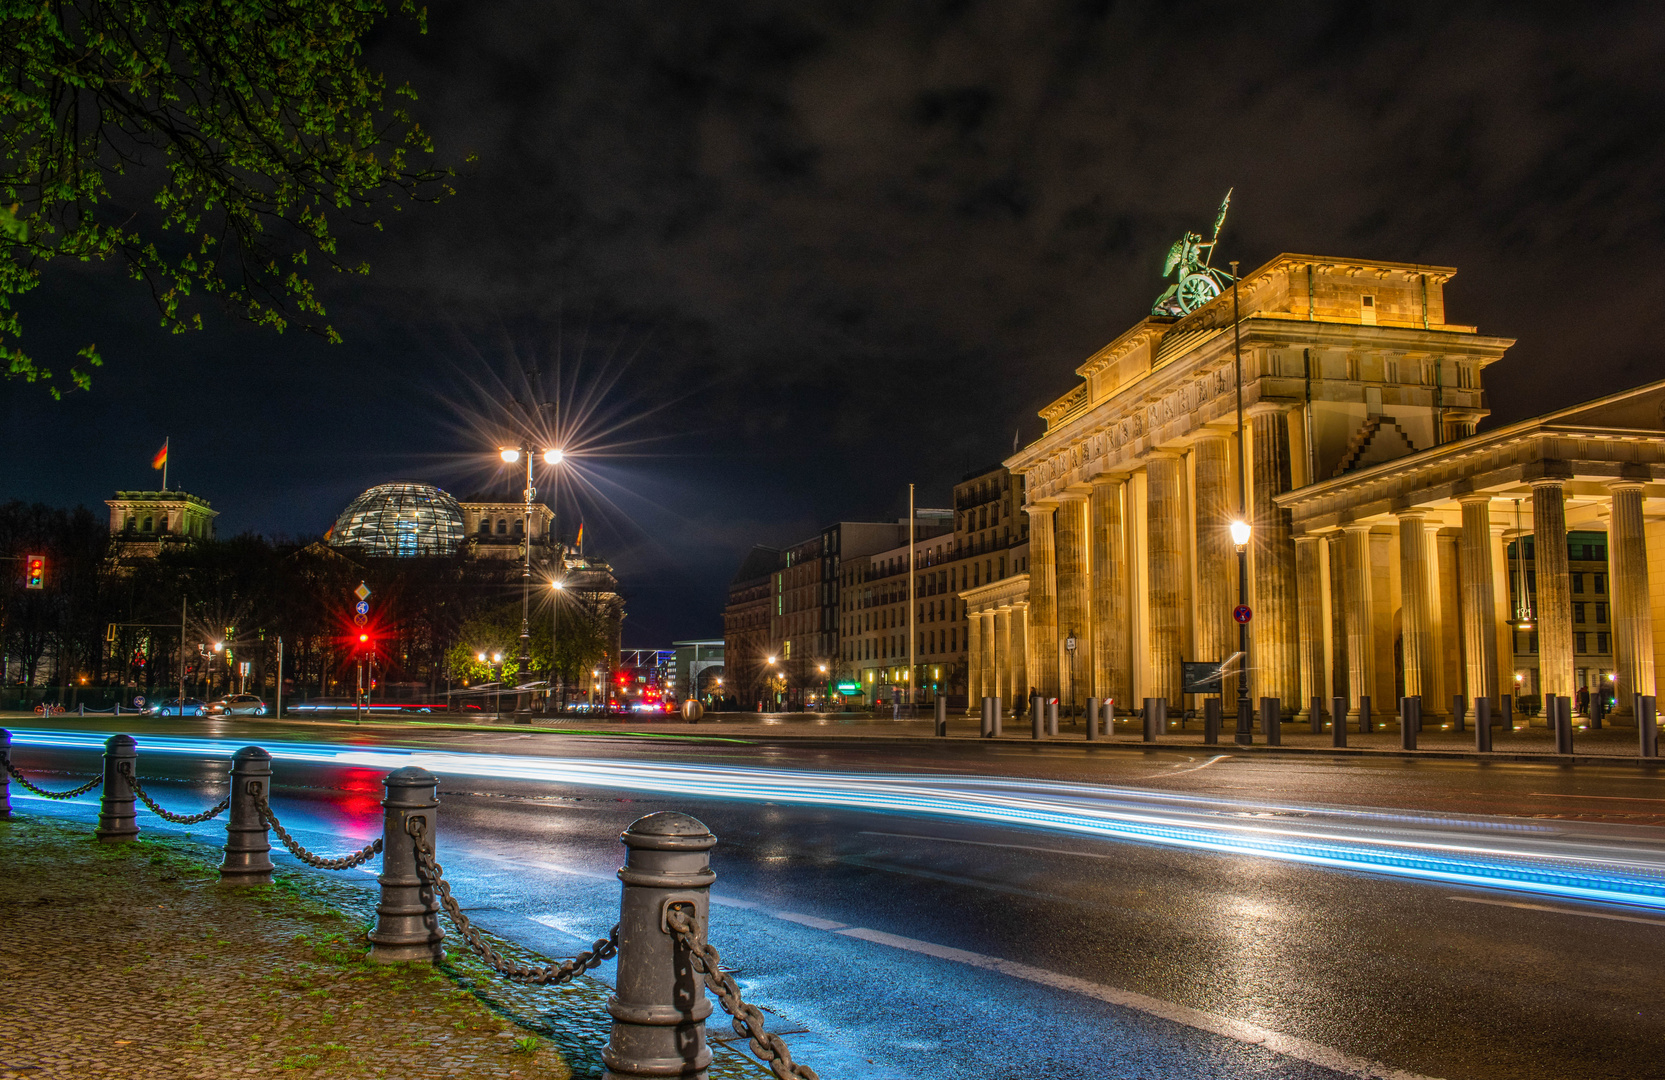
(1006, 592)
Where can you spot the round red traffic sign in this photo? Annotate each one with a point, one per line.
(1242, 613)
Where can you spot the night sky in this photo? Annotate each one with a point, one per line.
(790, 257)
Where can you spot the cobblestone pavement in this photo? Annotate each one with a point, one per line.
(128, 961)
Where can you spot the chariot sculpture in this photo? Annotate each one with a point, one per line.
(1196, 282)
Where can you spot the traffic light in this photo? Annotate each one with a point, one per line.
(36, 565)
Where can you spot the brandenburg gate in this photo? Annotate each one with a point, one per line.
(1380, 519)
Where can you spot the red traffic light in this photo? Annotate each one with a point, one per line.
(362, 638)
(36, 565)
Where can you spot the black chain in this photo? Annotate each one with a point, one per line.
(6, 759)
(541, 975)
(167, 815)
(346, 862)
(748, 1021)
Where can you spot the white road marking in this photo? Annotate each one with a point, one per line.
(1194, 768)
(1555, 910)
(1239, 1030)
(809, 920)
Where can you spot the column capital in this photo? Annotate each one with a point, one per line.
(1413, 513)
(1108, 479)
(1264, 408)
(1547, 471)
(1162, 453)
(1625, 483)
(1473, 497)
(1071, 494)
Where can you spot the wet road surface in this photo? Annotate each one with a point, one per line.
(911, 943)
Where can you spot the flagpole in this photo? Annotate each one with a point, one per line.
(165, 440)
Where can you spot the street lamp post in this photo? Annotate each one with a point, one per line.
(551, 457)
(1240, 534)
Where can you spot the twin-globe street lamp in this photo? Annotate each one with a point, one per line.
(511, 455)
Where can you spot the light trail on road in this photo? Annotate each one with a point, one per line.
(1477, 852)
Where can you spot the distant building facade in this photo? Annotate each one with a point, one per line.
(145, 520)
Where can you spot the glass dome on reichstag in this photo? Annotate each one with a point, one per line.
(400, 519)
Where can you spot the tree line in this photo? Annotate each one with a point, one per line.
(110, 624)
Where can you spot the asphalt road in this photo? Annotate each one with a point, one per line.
(914, 940)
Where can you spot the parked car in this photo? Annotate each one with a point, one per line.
(170, 707)
(236, 705)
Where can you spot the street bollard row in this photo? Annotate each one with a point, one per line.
(659, 1007)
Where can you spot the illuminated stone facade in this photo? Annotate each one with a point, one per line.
(1376, 563)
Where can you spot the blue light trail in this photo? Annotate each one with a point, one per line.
(1477, 852)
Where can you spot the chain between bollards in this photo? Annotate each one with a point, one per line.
(602, 951)
(748, 1020)
(126, 769)
(42, 792)
(345, 862)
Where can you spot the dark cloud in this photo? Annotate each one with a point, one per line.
(833, 247)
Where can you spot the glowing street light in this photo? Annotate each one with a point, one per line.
(509, 455)
(1240, 534)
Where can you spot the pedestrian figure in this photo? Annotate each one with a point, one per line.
(1583, 700)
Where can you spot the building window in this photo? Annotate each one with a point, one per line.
(1598, 583)
(148, 524)
(502, 526)
(1532, 642)
(1581, 643)
(1578, 583)
(1601, 614)
(1578, 611)
(1601, 643)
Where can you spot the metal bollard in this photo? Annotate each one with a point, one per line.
(1459, 707)
(1561, 719)
(1109, 718)
(1150, 719)
(942, 716)
(1092, 719)
(1505, 714)
(1647, 724)
(985, 726)
(659, 1008)
(1483, 725)
(1338, 721)
(1410, 709)
(1366, 723)
(1594, 716)
(248, 848)
(117, 823)
(6, 779)
(1271, 720)
(407, 918)
(996, 719)
(1317, 714)
(1052, 718)
(692, 711)
(1211, 721)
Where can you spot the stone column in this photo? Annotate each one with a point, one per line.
(1274, 632)
(1555, 625)
(1074, 594)
(1002, 680)
(974, 690)
(1478, 600)
(1216, 501)
(986, 653)
(1339, 667)
(1043, 603)
(1627, 552)
(1358, 603)
(1019, 655)
(1417, 611)
(1309, 582)
(1165, 476)
(1112, 631)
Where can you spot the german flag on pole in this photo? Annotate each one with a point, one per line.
(161, 458)
(578, 541)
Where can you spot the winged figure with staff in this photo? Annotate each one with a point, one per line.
(1196, 282)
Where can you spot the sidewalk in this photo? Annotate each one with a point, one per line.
(1532, 739)
(128, 961)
